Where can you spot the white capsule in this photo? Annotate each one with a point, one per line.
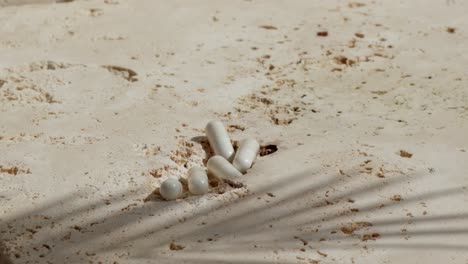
(222, 169)
(170, 189)
(246, 154)
(219, 140)
(197, 181)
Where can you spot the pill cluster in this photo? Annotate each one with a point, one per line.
(226, 165)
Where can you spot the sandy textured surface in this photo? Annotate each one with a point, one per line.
(366, 102)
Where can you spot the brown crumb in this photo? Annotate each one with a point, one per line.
(157, 173)
(379, 92)
(340, 59)
(236, 185)
(66, 237)
(95, 12)
(362, 153)
(268, 27)
(355, 4)
(372, 236)
(31, 230)
(322, 33)
(128, 74)
(127, 208)
(351, 227)
(13, 170)
(305, 242)
(278, 121)
(343, 60)
(176, 247)
(347, 230)
(359, 35)
(232, 128)
(322, 254)
(405, 154)
(451, 30)
(396, 198)
(352, 43)
(50, 99)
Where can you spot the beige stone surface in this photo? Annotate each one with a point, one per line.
(102, 100)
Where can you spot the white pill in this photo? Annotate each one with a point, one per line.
(197, 181)
(246, 154)
(219, 140)
(222, 169)
(170, 189)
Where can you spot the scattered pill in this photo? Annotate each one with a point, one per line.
(219, 139)
(246, 154)
(197, 181)
(170, 189)
(222, 169)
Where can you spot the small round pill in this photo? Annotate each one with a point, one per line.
(197, 181)
(170, 189)
(219, 139)
(222, 169)
(246, 154)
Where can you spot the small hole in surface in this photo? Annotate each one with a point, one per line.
(268, 149)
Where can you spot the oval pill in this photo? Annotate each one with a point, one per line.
(246, 154)
(170, 189)
(222, 169)
(197, 181)
(219, 139)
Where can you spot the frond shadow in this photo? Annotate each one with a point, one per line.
(304, 220)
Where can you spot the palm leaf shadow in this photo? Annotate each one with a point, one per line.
(281, 221)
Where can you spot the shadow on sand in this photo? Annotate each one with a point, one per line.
(262, 226)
